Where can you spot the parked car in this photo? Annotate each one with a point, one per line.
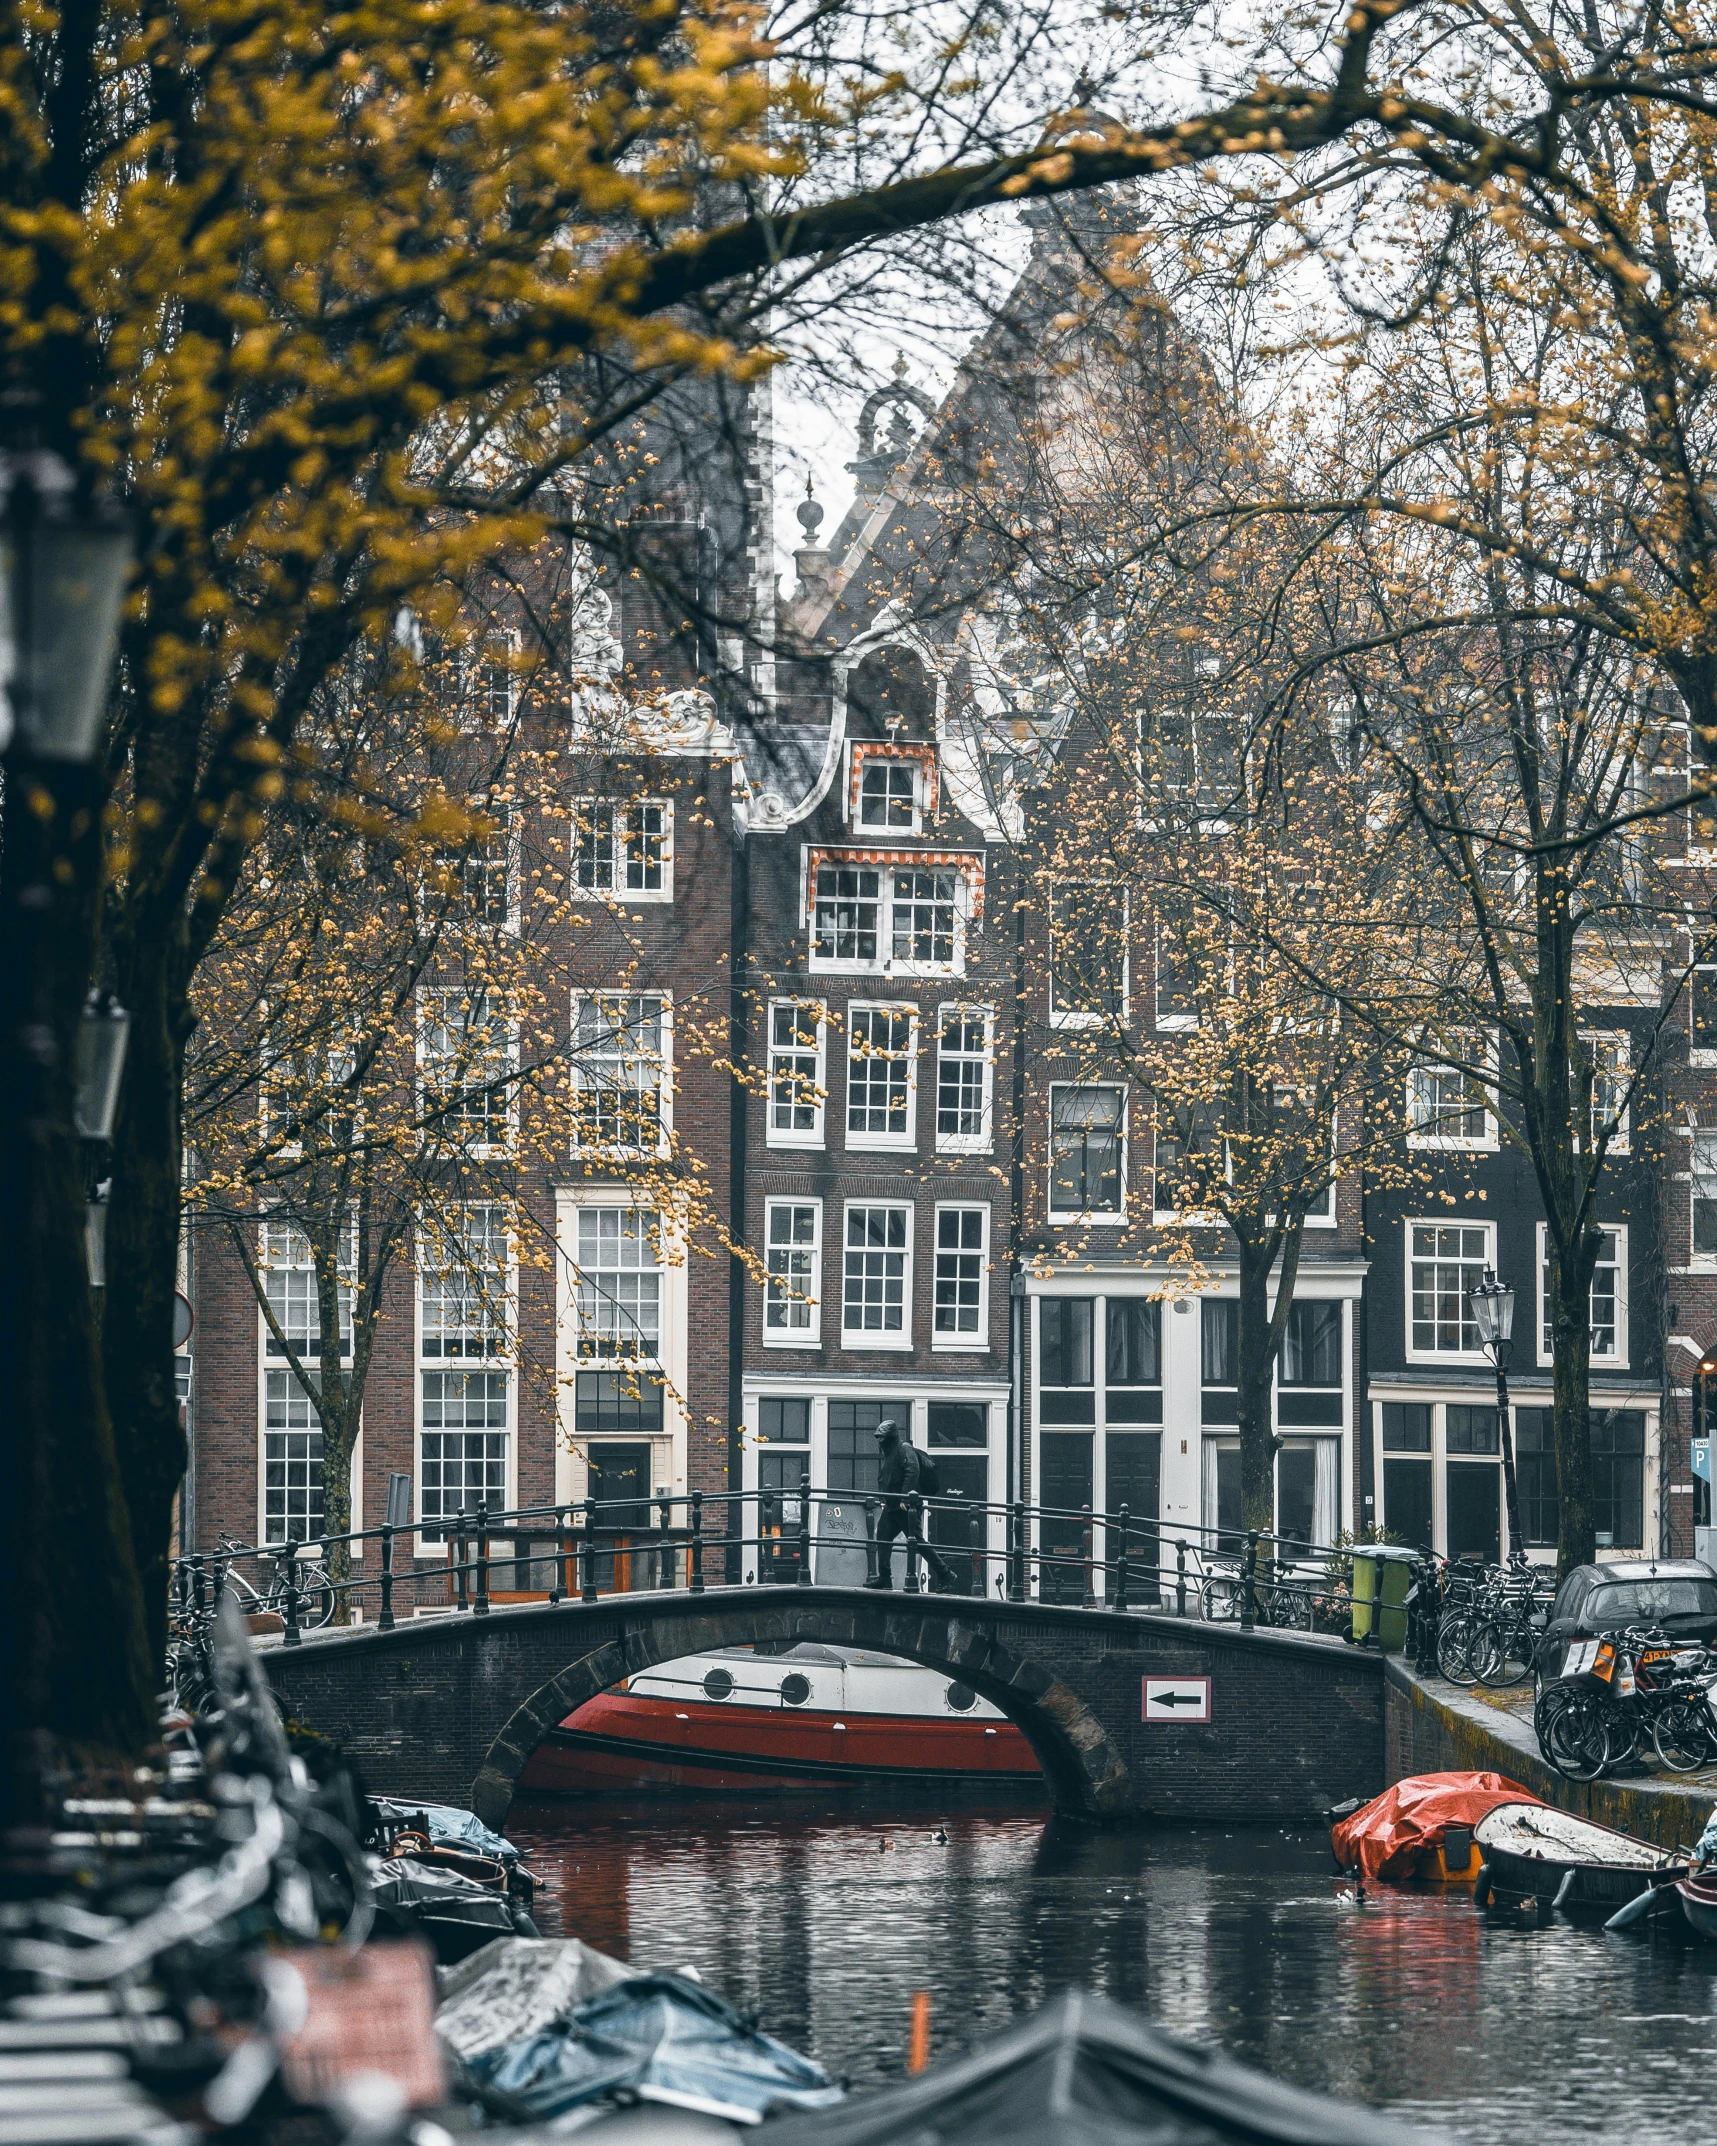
(1680, 1594)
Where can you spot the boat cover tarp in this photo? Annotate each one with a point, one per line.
(663, 2039)
(1386, 1837)
(1086, 2072)
(518, 1986)
(446, 1825)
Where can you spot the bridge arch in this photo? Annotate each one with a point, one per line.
(1084, 1771)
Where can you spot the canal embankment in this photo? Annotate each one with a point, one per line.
(1439, 1728)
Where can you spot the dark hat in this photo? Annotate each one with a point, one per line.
(885, 1426)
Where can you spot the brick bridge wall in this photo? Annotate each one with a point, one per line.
(451, 1708)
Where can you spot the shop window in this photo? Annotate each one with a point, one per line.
(1618, 1478)
(1535, 1476)
(1133, 1360)
(852, 1441)
(1064, 1469)
(1067, 1392)
(1132, 1476)
(1311, 1360)
(1219, 1360)
(1407, 1514)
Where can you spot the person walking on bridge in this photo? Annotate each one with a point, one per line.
(900, 1478)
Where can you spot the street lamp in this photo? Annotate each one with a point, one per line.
(98, 1060)
(1493, 1314)
(63, 566)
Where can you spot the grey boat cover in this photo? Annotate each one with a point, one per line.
(422, 1889)
(519, 1986)
(660, 2038)
(1085, 2072)
(446, 1825)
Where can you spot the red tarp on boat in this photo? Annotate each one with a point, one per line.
(1387, 1836)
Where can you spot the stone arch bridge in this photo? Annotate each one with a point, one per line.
(451, 1707)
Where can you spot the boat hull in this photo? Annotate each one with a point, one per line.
(1533, 1852)
(624, 1740)
(1699, 1906)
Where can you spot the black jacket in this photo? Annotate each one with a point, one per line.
(898, 1477)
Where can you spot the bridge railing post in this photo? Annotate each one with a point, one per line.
(1120, 1597)
(1180, 1577)
(1248, 1576)
(198, 1596)
(480, 1606)
(804, 1527)
(1016, 1551)
(587, 1570)
(557, 1571)
(1090, 1534)
(665, 1548)
(461, 1589)
(695, 1578)
(220, 1581)
(289, 1573)
(384, 1622)
(977, 1543)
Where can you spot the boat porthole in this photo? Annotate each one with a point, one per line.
(795, 1689)
(962, 1698)
(718, 1684)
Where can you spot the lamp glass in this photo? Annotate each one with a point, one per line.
(97, 1065)
(68, 581)
(1493, 1310)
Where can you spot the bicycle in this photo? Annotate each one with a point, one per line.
(1278, 1599)
(318, 1598)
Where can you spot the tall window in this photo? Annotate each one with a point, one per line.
(1133, 1361)
(1609, 1299)
(1449, 1106)
(1702, 1009)
(964, 1079)
(478, 874)
(1704, 1176)
(882, 1045)
(793, 1254)
(1087, 1138)
(795, 1073)
(1612, 1074)
(1066, 1387)
(490, 692)
(962, 1275)
(877, 1277)
(620, 1069)
(1309, 1379)
(623, 848)
(618, 1296)
(906, 917)
(1087, 954)
(1219, 1360)
(1177, 972)
(291, 1427)
(467, 1058)
(463, 1320)
(1190, 1149)
(1445, 1260)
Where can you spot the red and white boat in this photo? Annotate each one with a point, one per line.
(737, 1722)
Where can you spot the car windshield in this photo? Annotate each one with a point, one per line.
(1651, 1601)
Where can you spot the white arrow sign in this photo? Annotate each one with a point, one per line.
(1177, 1699)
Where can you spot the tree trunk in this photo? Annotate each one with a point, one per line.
(1571, 1349)
(143, 1264)
(1256, 1351)
(339, 1436)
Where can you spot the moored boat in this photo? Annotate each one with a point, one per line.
(1534, 1852)
(1697, 1893)
(733, 1721)
(1422, 1827)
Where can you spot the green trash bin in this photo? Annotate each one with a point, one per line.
(1382, 1574)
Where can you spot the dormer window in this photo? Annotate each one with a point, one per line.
(888, 795)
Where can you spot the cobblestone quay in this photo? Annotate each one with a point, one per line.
(451, 1707)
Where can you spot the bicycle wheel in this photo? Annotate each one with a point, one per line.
(1519, 1645)
(1291, 1606)
(1577, 1736)
(317, 1598)
(1454, 1638)
(1485, 1650)
(1219, 1601)
(1680, 1734)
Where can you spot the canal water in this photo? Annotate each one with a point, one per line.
(823, 1922)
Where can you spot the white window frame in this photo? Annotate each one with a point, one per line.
(863, 755)
(1067, 1217)
(453, 862)
(1202, 1217)
(278, 1367)
(1488, 1259)
(979, 1338)
(897, 1143)
(1696, 1057)
(496, 1362)
(1616, 1358)
(615, 1200)
(1618, 1042)
(495, 644)
(816, 1135)
(664, 1075)
(899, 1343)
(1078, 1017)
(1166, 1024)
(885, 964)
(508, 1116)
(1700, 1262)
(781, 1334)
(619, 896)
(966, 1143)
(1447, 1143)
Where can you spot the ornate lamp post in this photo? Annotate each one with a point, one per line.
(1493, 1312)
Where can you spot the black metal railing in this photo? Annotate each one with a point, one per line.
(465, 1563)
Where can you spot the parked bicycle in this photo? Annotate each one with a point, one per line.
(1488, 1634)
(1622, 1691)
(1279, 1597)
(317, 1595)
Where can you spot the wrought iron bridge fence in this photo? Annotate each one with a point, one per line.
(961, 1546)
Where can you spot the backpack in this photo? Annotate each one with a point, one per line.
(929, 1476)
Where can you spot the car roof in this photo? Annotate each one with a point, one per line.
(1639, 1568)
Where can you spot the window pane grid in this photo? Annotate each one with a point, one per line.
(863, 915)
(959, 1278)
(924, 909)
(848, 914)
(1085, 1150)
(463, 1287)
(888, 794)
(291, 1462)
(464, 1442)
(1447, 1261)
(874, 1298)
(620, 847)
(620, 1070)
(795, 1090)
(879, 1073)
(791, 1257)
(467, 1057)
(618, 1298)
(1606, 1300)
(963, 1076)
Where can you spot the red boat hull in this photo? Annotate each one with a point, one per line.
(622, 1740)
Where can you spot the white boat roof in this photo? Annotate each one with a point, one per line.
(1537, 1832)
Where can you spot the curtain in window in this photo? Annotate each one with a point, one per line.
(1327, 1489)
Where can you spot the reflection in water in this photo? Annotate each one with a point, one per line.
(825, 1923)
